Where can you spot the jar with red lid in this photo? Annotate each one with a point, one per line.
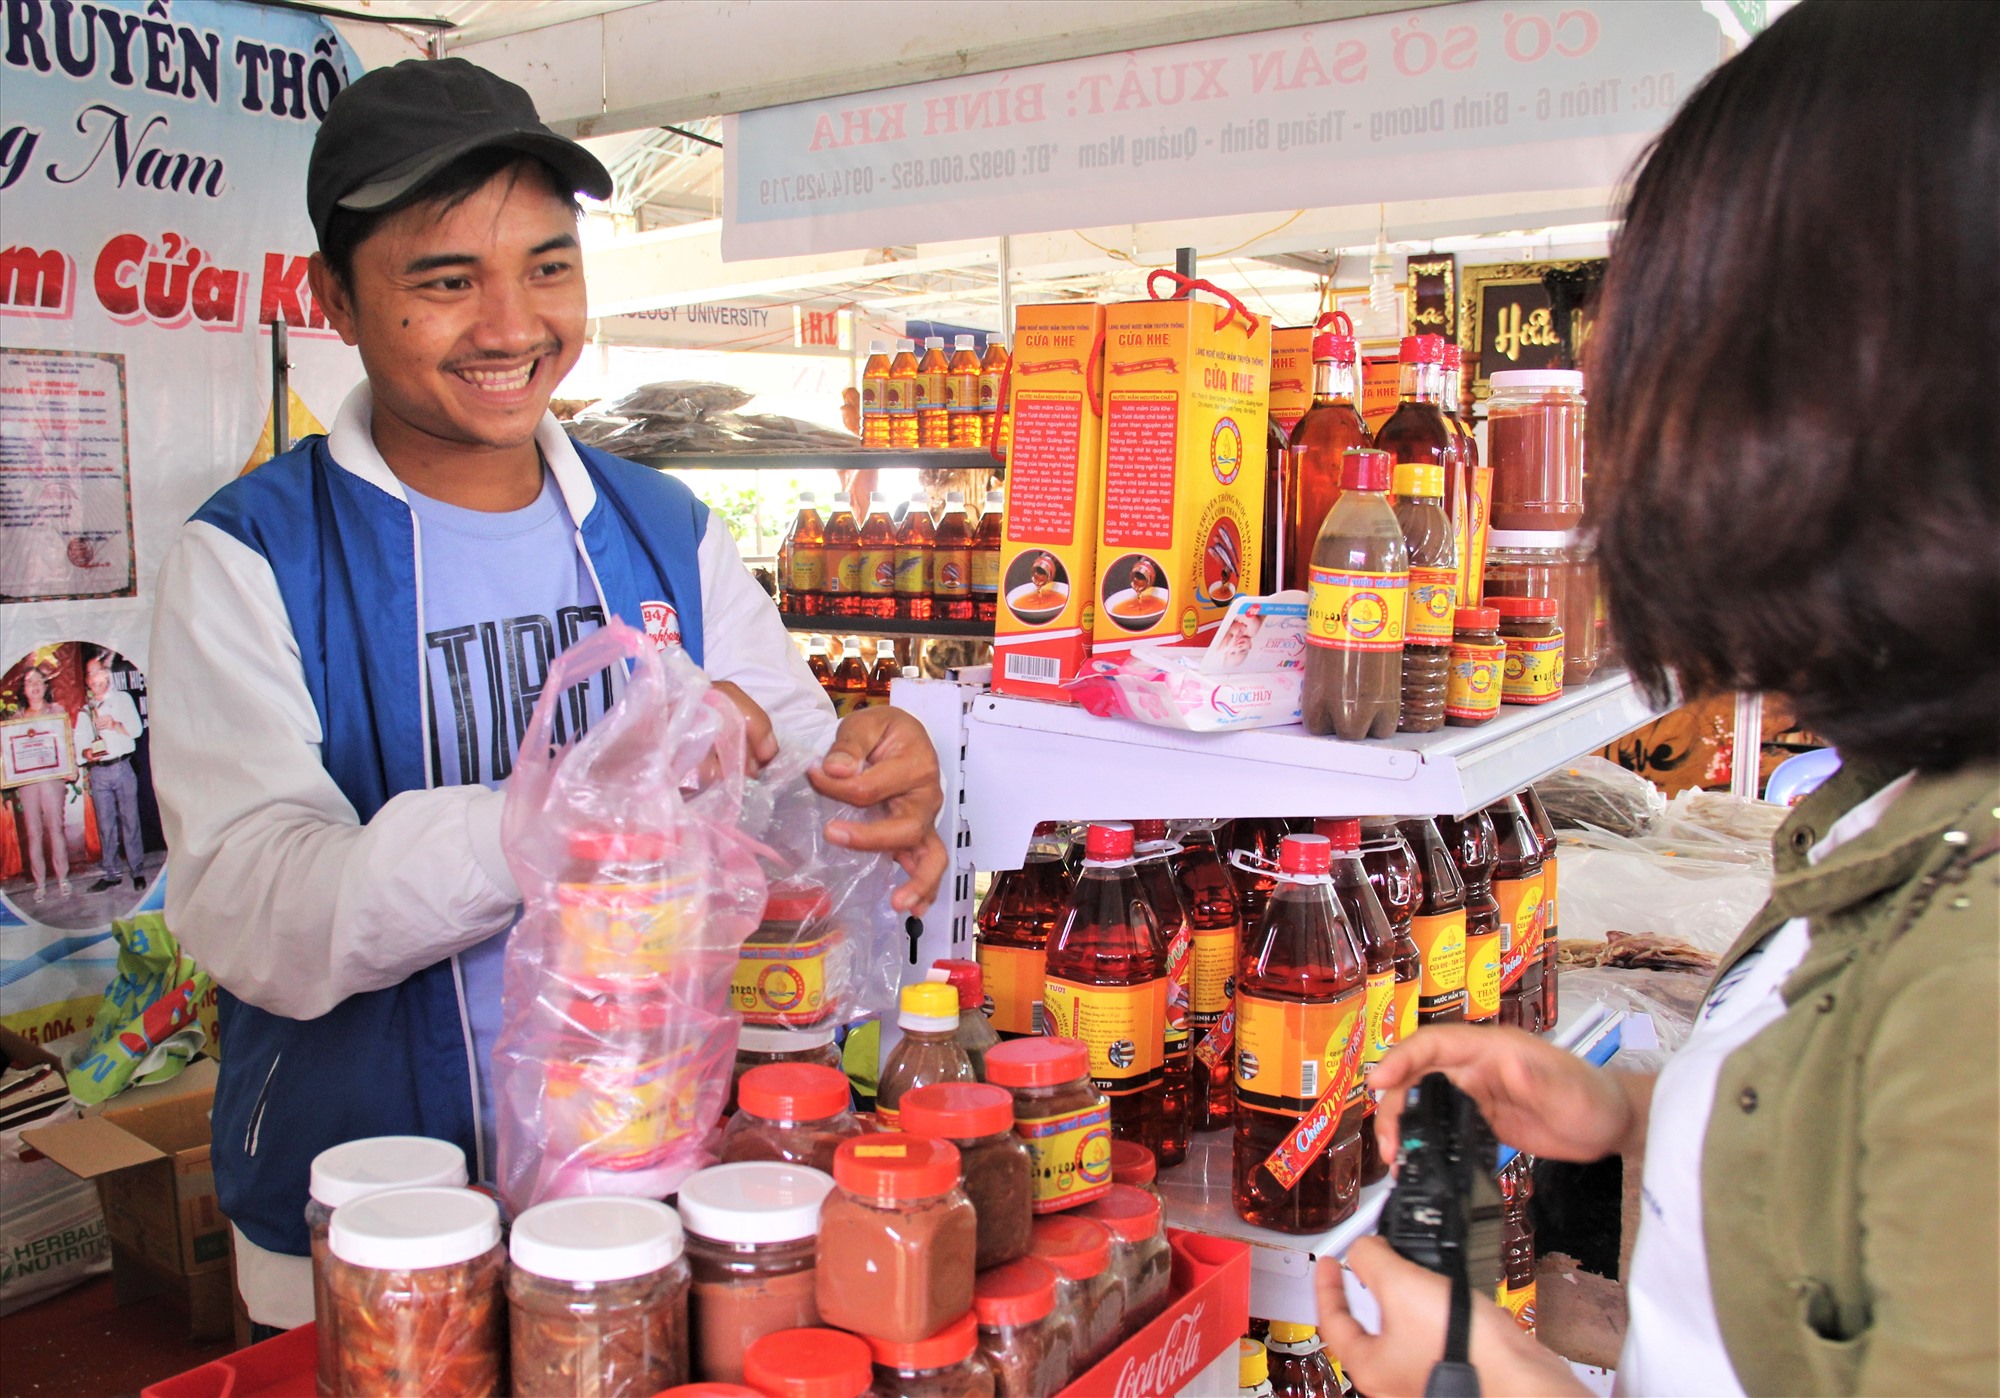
(709, 1390)
(1065, 1121)
(897, 1237)
(810, 1362)
(1089, 1292)
(1025, 1342)
(1133, 1164)
(1478, 668)
(793, 1112)
(791, 969)
(1534, 665)
(626, 905)
(1140, 1256)
(609, 1091)
(1534, 443)
(757, 1045)
(1528, 563)
(941, 1365)
(997, 1172)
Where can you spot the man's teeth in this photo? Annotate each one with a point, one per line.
(499, 380)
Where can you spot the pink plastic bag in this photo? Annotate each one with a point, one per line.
(638, 890)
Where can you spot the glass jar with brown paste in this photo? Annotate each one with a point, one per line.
(942, 1365)
(415, 1279)
(597, 1298)
(752, 1245)
(1534, 668)
(796, 1112)
(1064, 1119)
(1090, 1293)
(757, 1046)
(1025, 1342)
(997, 1170)
(1140, 1256)
(809, 1363)
(896, 1238)
(1133, 1164)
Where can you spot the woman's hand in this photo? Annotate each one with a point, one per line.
(883, 757)
(1537, 1097)
(1415, 1303)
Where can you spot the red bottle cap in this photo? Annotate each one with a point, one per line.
(958, 1111)
(964, 977)
(1149, 832)
(795, 904)
(1344, 832)
(1132, 1163)
(1337, 348)
(1130, 1214)
(1433, 348)
(1108, 840)
(1079, 1248)
(812, 1362)
(1015, 1293)
(605, 1005)
(1454, 357)
(1522, 606)
(1423, 349)
(940, 1350)
(1475, 619)
(793, 1092)
(709, 1390)
(1364, 469)
(604, 845)
(1305, 854)
(1037, 1062)
(895, 1169)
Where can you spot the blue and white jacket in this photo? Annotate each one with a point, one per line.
(313, 869)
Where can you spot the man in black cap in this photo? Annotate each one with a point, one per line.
(349, 642)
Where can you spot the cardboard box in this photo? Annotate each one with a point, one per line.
(1381, 388)
(1181, 532)
(1291, 374)
(1048, 549)
(147, 1150)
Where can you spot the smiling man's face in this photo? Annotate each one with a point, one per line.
(466, 318)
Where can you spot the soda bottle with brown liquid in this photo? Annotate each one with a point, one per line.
(1300, 1366)
(951, 561)
(1517, 1243)
(1392, 873)
(1438, 928)
(1354, 622)
(1259, 840)
(901, 395)
(875, 554)
(961, 394)
(1271, 569)
(1418, 430)
(1475, 487)
(1215, 920)
(1021, 910)
(803, 581)
(1371, 927)
(916, 548)
(875, 395)
(850, 679)
(1321, 439)
(885, 670)
(1300, 997)
(986, 559)
(819, 664)
(1433, 595)
(1151, 849)
(1545, 835)
(1470, 841)
(1519, 888)
(933, 410)
(843, 561)
(1106, 985)
(992, 374)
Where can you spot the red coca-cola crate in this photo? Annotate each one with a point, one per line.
(1207, 1313)
(285, 1366)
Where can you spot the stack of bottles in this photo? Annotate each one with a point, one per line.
(853, 683)
(916, 566)
(930, 398)
(1249, 976)
(1283, 1359)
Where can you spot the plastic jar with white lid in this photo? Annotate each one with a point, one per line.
(598, 1298)
(1534, 443)
(1139, 1251)
(346, 1172)
(757, 1045)
(415, 1282)
(752, 1233)
(944, 1364)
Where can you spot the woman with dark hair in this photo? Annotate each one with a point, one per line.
(1795, 425)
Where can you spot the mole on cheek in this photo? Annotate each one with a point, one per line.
(406, 325)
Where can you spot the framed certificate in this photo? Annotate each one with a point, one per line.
(34, 748)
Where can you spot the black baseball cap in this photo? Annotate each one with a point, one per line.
(392, 129)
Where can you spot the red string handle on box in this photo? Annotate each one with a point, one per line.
(1187, 286)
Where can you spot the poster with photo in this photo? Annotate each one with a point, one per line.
(65, 486)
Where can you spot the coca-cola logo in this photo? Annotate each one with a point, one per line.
(1167, 1368)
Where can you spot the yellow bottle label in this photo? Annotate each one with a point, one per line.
(1521, 910)
(781, 983)
(1482, 975)
(930, 391)
(808, 569)
(871, 395)
(626, 930)
(989, 392)
(1381, 1017)
(1013, 982)
(1070, 1155)
(953, 569)
(1433, 600)
(1212, 974)
(913, 572)
(1287, 1051)
(1472, 689)
(1534, 669)
(1124, 1027)
(1357, 611)
(875, 572)
(843, 570)
(1405, 1012)
(1440, 940)
(962, 393)
(616, 1115)
(986, 571)
(888, 1119)
(1549, 922)
(899, 395)
(1519, 1302)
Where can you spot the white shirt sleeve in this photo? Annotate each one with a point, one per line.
(273, 882)
(745, 642)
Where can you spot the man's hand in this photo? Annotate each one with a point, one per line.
(760, 744)
(882, 757)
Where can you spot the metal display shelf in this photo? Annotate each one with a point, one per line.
(1196, 1193)
(899, 628)
(1027, 762)
(825, 459)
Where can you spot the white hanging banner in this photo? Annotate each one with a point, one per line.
(1497, 96)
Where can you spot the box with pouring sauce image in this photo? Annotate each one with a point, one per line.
(1181, 528)
(1048, 557)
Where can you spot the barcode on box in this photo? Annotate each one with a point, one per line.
(1040, 668)
(1309, 1079)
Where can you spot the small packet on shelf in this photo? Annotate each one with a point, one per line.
(1251, 675)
